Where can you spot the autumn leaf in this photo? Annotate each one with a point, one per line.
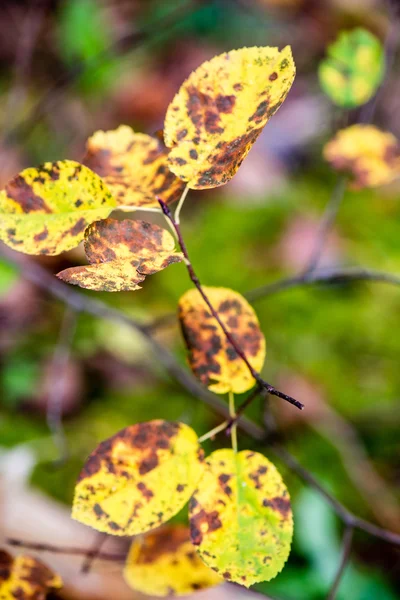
(121, 254)
(353, 68)
(134, 166)
(166, 563)
(211, 356)
(221, 109)
(240, 517)
(45, 210)
(370, 155)
(139, 478)
(25, 578)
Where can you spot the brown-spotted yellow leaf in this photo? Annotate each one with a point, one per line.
(211, 356)
(138, 478)
(25, 578)
(353, 68)
(45, 210)
(240, 517)
(220, 111)
(121, 254)
(371, 156)
(134, 166)
(166, 563)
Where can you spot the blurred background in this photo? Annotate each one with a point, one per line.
(70, 68)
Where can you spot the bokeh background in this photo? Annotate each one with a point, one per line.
(70, 68)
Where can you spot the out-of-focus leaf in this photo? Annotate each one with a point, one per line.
(353, 68)
(371, 156)
(25, 578)
(8, 276)
(45, 210)
(121, 254)
(221, 109)
(134, 166)
(139, 478)
(166, 563)
(211, 356)
(240, 517)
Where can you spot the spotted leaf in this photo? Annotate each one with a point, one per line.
(45, 210)
(121, 254)
(134, 167)
(25, 578)
(240, 517)
(211, 356)
(220, 111)
(169, 553)
(371, 156)
(353, 68)
(138, 478)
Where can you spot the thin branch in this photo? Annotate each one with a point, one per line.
(94, 553)
(346, 549)
(270, 388)
(329, 275)
(72, 551)
(58, 365)
(326, 223)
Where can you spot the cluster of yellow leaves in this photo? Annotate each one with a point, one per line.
(25, 578)
(371, 156)
(211, 356)
(210, 126)
(121, 254)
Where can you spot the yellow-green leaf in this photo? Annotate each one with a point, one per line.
(165, 563)
(371, 156)
(134, 167)
(45, 210)
(25, 578)
(139, 478)
(211, 356)
(353, 68)
(240, 517)
(220, 111)
(121, 254)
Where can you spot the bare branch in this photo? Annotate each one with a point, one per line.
(346, 549)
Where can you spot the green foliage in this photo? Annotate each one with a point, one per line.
(353, 69)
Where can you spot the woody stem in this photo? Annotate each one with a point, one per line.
(270, 388)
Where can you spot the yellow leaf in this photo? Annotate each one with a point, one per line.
(211, 356)
(139, 478)
(240, 517)
(134, 166)
(121, 254)
(220, 111)
(166, 563)
(370, 155)
(45, 210)
(25, 578)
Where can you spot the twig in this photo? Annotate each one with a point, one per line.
(330, 275)
(346, 549)
(326, 223)
(270, 388)
(72, 551)
(58, 365)
(94, 553)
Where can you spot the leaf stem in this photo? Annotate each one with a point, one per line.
(270, 388)
(232, 415)
(180, 204)
(213, 432)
